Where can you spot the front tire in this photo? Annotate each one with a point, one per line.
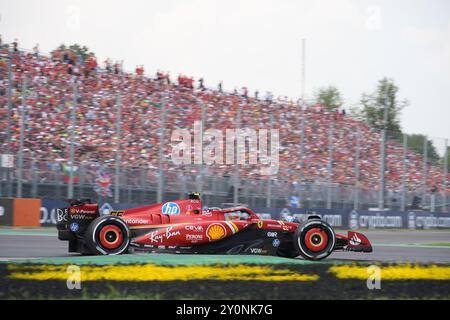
(107, 235)
(315, 239)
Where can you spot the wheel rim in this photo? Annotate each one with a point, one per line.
(111, 237)
(316, 239)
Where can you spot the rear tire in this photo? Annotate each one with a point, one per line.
(107, 235)
(315, 239)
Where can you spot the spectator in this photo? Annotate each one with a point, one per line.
(186, 82)
(15, 45)
(50, 97)
(66, 57)
(117, 67)
(140, 70)
(244, 92)
(36, 50)
(108, 65)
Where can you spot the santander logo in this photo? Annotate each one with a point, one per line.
(137, 221)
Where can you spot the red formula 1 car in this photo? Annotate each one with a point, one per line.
(182, 226)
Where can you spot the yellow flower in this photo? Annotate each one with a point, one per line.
(394, 272)
(150, 272)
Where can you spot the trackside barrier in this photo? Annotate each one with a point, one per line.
(339, 218)
(20, 212)
(356, 219)
(6, 211)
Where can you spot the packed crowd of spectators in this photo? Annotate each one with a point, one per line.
(50, 95)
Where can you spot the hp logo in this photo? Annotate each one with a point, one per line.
(171, 208)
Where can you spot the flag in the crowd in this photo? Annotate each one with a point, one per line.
(103, 184)
(66, 171)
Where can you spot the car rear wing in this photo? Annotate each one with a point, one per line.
(72, 221)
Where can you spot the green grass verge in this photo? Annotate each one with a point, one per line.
(169, 259)
(438, 244)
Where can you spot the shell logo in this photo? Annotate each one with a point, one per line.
(216, 232)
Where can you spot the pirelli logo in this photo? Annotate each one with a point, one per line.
(117, 213)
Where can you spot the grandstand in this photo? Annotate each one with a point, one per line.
(340, 153)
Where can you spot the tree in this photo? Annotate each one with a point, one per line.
(416, 143)
(81, 51)
(373, 107)
(356, 113)
(329, 97)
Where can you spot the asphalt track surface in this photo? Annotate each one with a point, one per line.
(389, 246)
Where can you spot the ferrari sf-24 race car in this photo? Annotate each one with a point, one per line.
(183, 226)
